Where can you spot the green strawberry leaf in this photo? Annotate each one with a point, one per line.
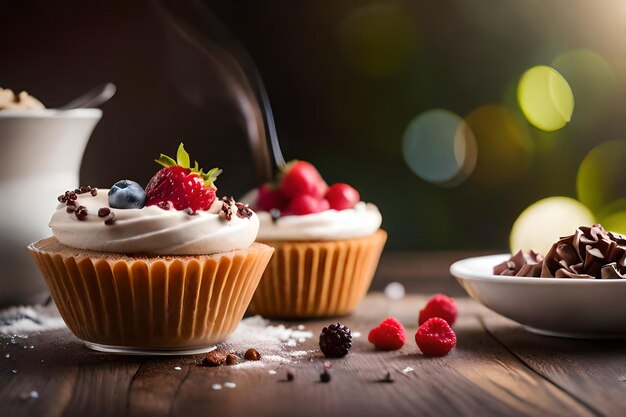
(182, 157)
(210, 177)
(166, 161)
(183, 160)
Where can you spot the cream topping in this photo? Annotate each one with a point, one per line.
(152, 230)
(22, 101)
(362, 220)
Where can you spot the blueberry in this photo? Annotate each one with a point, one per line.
(126, 194)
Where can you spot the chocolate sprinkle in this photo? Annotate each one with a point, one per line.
(275, 214)
(110, 219)
(81, 213)
(104, 211)
(243, 211)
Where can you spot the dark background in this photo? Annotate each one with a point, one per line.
(344, 83)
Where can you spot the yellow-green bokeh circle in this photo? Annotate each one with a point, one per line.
(615, 222)
(544, 222)
(601, 178)
(545, 97)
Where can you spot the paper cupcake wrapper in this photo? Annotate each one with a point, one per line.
(317, 279)
(150, 302)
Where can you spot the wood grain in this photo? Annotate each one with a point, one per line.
(497, 369)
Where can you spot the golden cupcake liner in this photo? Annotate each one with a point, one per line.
(174, 302)
(317, 279)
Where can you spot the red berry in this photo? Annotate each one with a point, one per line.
(388, 335)
(435, 337)
(301, 177)
(342, 196)
(439, 306)
(271, 198)
(306, 204)
(182, 186)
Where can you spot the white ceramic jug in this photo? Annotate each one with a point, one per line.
(40, 156)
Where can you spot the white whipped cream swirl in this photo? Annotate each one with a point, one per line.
(152, 230)
(362, 220)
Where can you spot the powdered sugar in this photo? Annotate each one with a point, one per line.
(273, 342)
(22, 320)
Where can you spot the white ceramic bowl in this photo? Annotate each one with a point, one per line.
(41, 155)
(566, 307)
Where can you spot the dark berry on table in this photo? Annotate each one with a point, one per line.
(126, 194)
(325, 376)
(335, 341)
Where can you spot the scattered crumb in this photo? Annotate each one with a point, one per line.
(216, 387)
(229, 385)
(178, 368)
(407, 370)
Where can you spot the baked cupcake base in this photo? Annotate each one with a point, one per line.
(317, 279)
(147, 304)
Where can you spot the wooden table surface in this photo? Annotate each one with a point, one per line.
(497, 369)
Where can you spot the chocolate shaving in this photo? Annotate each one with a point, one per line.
(590, 253)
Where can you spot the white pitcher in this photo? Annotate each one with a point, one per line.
(40, 156)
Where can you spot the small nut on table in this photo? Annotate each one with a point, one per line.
(231, 359)
(215, 357)
(252, 355)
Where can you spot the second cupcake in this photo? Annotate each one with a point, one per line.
(327, 241)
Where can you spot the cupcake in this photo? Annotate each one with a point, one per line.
(169, 269)
(327, 241)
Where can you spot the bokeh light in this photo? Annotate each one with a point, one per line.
(545, 97)
(601, 179)
(378, 40)
(439, 147)
(615, 221)
(593, 83)
(504, 147)
(545, 221)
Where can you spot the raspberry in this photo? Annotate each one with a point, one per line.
(341, 196)
(388, 335)
(439, 306)
(435, 337)
(335, 341)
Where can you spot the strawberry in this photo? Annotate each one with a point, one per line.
(271, 198)
(306, 204)
(341, 196)
(435, 337)
(180, 185)
(301, 177)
